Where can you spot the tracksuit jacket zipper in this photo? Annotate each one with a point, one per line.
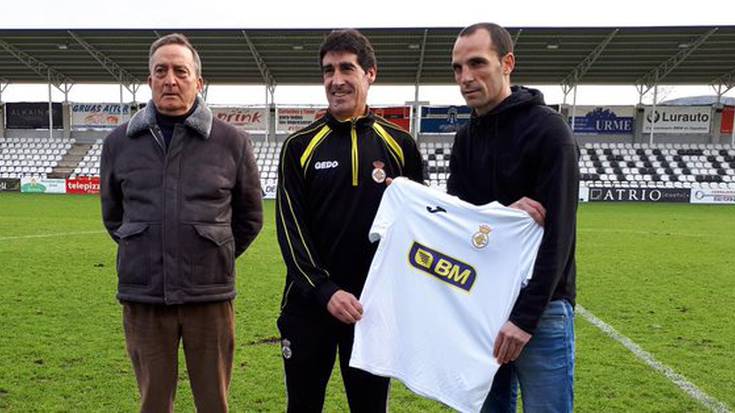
(355, 167)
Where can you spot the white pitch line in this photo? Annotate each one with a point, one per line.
(688, 387)
(64, 234)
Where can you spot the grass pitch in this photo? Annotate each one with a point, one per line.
(662, 275)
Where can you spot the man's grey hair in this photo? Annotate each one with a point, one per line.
(175, 38)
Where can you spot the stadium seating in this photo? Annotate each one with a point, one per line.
(626, 165)
(657, 166)
(607, 165)
(436, 159)
(24, 157)
(90, 163)
(266, 155)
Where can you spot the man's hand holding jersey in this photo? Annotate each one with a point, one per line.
(532, 208)
(345, 307)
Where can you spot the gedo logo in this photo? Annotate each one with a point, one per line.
(326, 164)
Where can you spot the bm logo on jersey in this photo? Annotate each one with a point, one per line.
(441, 266)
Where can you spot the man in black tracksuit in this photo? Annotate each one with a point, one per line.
(519, 152)
(332, 175)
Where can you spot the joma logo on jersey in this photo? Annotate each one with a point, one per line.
(442, 266)
(326, 164)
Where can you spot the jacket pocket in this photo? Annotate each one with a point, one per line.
(213, 254)
(133, 253)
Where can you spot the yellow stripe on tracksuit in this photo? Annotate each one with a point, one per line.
(395, 148)
(353, 135)
(315, 141)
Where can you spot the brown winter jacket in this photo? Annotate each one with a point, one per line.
(180, 216)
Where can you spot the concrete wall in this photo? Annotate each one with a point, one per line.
(582, 139)
(34, 134)
(435, 137)
(671, 138)
(66, 118)
(89, 136)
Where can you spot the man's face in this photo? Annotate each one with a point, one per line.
(483, 78)
(173, 80)
(346, 84)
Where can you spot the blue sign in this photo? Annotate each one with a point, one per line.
(603, 121)
(444, 119)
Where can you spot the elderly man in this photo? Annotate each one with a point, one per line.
(517, 151)
(332, 176)
(181, 198)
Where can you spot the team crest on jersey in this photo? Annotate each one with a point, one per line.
(445, 268)
(379, 174)
(482, 236)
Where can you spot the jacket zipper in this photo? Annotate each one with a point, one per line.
(161, 143)
(353, 135)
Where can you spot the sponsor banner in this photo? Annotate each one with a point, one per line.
(32, 115)
(240, 117)
(292, 119)
(444, 119)
(43, 185)
(638, 195)
(712, 196)
(677, 119)
(9, 185)
(83, 185)
(398, 115)
(98, 115)
(728, 113)
(269, 190)
(603, 120)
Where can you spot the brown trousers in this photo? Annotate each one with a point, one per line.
(152, 334)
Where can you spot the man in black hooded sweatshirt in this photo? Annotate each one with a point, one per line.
(519, 152)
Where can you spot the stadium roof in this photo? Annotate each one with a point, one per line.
(600, 55)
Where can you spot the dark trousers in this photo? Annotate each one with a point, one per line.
(309, 344)
(152, 335)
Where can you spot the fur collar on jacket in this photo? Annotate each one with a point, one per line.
(200, 120)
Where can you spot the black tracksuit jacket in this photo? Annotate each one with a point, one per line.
(523, 148)
(328, 195)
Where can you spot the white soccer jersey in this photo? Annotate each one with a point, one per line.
(443, 282)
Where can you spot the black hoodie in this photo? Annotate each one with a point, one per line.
(523, 148)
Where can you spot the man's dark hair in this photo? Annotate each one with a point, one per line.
(501, 40)
(352, 41)
(180, 39)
